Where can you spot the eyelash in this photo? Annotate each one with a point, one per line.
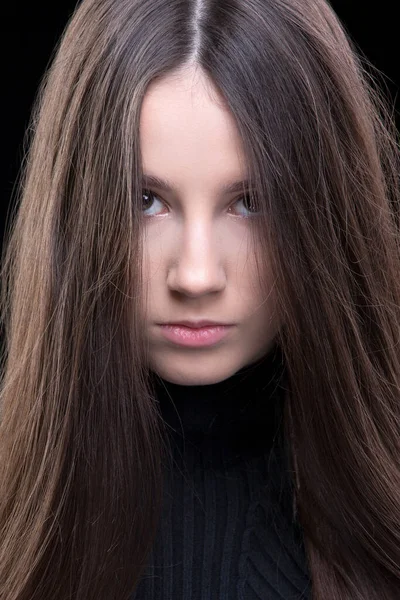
(147, 192)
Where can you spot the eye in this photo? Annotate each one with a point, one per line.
(149, 195)
(248, 200)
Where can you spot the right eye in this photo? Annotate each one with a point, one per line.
(151, 198)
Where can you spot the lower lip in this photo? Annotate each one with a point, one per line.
(188, 336)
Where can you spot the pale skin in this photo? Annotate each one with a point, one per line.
(198, 255)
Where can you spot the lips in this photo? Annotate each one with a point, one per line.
(196, 324)
(194, 337)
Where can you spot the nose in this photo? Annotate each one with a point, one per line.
(198, 266)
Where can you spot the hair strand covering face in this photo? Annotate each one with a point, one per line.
(81, 442)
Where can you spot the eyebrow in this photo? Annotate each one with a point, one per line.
(165, 185)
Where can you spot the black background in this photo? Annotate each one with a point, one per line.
(31, 29)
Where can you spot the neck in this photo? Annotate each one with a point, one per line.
(239, 416)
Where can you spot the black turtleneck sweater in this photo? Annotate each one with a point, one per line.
(228, 530)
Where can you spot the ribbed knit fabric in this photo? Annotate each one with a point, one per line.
(228, 531)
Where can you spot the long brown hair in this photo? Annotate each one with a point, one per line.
(81, 439)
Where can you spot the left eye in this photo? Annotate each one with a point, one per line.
(247, 199)
(250, 201)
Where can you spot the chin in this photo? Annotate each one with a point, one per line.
(198, 372)
(193, 379)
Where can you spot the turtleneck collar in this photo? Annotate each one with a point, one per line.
(239, 416)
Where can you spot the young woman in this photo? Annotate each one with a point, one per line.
(230, 162)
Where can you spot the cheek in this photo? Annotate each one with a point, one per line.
(150, 268)
(151, 257)
(248, 276)
(259, 290)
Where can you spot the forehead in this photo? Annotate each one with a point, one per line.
(187, 133)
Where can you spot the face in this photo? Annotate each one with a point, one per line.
(198, 252)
